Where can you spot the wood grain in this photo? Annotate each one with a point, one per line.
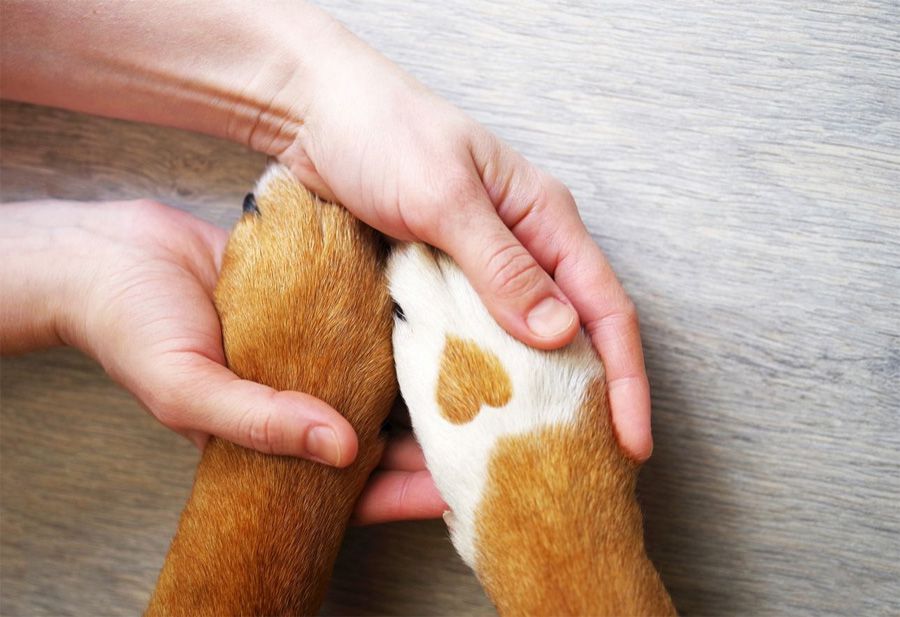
(739, 164)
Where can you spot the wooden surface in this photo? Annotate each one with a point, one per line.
(741, 168)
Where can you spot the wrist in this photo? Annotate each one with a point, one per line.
(38, 269)
(303, 49)
(238, 71)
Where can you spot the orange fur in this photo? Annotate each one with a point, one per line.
(559, 528)
(470, 376)
(304, 306)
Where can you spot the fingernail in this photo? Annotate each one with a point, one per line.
(550, 318)
(322, 443)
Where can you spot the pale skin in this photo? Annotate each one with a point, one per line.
(130, 283)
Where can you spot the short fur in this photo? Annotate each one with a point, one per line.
(304, 306)
(542, 499)
(470, 377)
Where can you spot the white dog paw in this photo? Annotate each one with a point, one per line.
(468, 384)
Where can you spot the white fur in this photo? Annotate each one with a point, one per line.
(547, 387)
(273, 172)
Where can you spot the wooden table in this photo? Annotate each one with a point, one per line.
(741, 168)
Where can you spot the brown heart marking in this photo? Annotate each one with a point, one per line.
(470, 377)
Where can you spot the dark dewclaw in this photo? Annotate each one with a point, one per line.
(249, 205)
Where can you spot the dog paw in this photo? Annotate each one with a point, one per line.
(303, 285)
(468, 384)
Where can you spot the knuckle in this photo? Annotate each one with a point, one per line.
(445, 208)
(623, 317)
(440, 203)
(168, 405)
(623, 309)
(172, 411)
(167, 413)
(513, 272)
(629, 312)
(459, 189)
(170, 389)
(258, 429)
(557, 191)
(401, 495)
(423, 220)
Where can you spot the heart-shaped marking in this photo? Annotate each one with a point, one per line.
(470, 377)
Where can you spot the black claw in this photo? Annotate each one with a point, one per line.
(250, 204)
(398, 312)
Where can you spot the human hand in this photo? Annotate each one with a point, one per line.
(131, 285)
(413, 166)
(286, 79)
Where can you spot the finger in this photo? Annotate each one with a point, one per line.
(205, 396)
(616, 333)
(516, 290)
(542, 214)
(403, 453)
(398, 496)
(611, 320)
(305, 171)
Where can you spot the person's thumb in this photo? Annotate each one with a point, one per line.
(207, 398)
(520, 295)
